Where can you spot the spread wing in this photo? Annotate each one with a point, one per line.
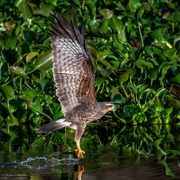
(72, 64)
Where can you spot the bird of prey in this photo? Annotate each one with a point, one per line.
(74, 80)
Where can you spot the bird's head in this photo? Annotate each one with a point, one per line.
(106, 107)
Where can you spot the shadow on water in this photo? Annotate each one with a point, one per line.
(136, 152)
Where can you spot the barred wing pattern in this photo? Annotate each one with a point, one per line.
(72, 65)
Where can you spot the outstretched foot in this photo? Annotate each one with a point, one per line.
(79, 153)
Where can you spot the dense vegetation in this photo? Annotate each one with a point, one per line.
(136, 49)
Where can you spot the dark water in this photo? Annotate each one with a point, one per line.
(104, 166)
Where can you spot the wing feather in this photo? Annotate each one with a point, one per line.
(72, 64)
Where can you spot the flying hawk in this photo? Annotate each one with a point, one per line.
(74, 80)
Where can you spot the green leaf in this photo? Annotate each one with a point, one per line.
(126, 152)
(176, 16)
(10, 42)
(13, 105)
(104, 26)
(161, 91)
(99, 81)
(18, 71)
(105, 63)
(42, 83)
(156, 50)
(26, 97)
(176, 79)
(152, 74)
(115, 24)
(141, 87)
(130, 70)
(124, 62)
(175, 103)
(164, 72)
(167, 169)
(165, 64)
(26, 11)
(149, 91)
(77, 2)
(43, 62)
(8, 92)
(171, 54)
(169, 138)
(36, 107)
(31, 92)
(149, 51)
(116, 97)
(30, 56)
(29, 36)
(122, 35)
(147, 64)
(12, 134)
(141, 63)
(123, 77)
(11, 120)
(140, 12)
(133, 88)
(129, 110)
(39, 142)
(45, 10)
(115, 63)
(156, 35)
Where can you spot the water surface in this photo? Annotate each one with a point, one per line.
(107, 165)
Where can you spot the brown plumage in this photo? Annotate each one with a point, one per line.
(74, 80)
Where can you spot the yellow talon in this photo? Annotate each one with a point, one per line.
(79, 153)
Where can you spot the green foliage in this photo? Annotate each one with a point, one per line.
(26, 84)
(136, 49)
(138, 59)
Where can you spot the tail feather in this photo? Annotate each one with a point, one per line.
(54, 126)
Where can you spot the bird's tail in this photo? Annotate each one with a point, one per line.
(54, 126)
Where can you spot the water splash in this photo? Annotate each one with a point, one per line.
(42, 162)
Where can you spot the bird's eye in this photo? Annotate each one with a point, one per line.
(111, 106)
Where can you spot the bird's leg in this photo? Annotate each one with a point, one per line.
(79, 132)
(79, 152)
